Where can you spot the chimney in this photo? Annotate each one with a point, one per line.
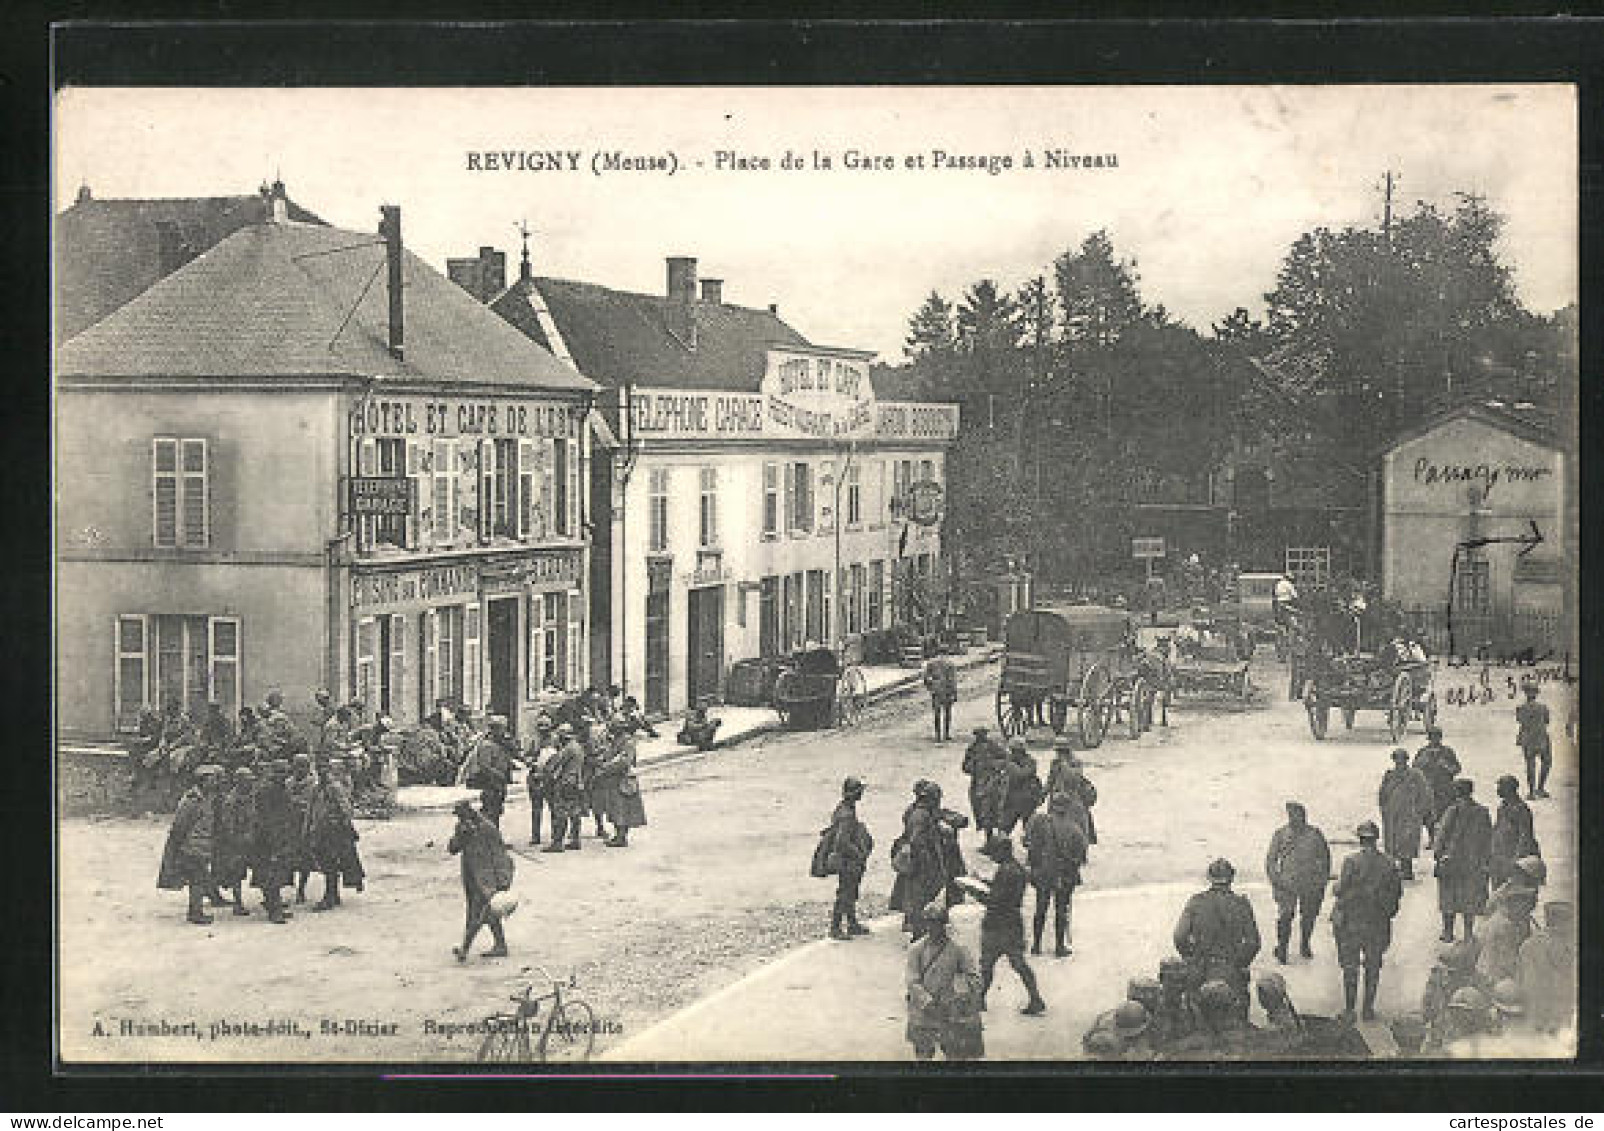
(483, 277)
(390, 229)
(682, 278)
(774, 309)
(713, 291)
(278, 204)
(83, 193)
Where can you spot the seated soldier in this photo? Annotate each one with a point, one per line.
(1291, 1035)
(698, 730)
(1222, 1033)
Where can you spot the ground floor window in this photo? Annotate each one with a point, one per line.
(163, 660)
(814, 626)
(793, 628)
(852, 600)
(1309, 566)
(874, 607)
(1473, 588)
(556, 639)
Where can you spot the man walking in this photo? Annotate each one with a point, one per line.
(1298, 865)
(1366, 899)
(1002, 927)
(1464, 846)
(187, 856)
(943, 987)
(1513, 834)
(1218, 935)
(487, 868)
(1020, 785)
(332, 835)
(1440, 767)
(941, 681)
(982, 761)
(492, 768)
(235, 835)
(1405, 802)
(1532, 738)
(850, 845)
(1067, 774)
(1055, 846)
(541, 750)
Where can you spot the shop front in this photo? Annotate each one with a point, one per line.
(498, 633)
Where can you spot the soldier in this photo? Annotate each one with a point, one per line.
(332, 835)
(187, 856)
(300, 787)
(277, 730)
(236, 834)
(632, 715)
(1298, 865)
(324, 705)
(1532, 738)
(1217, 934)
(1405, 802)
(1503, 933)
(566, 773)
(982, 760)
(278, 834)
(492, 761)
(850, 844)
(1122, 1033)
(929, 846)
(1440, 766)
(1547, 970)
(1222, 1030)
(1067, 774)
(618, 786)
(1055, 843)
(941, 681)
(1002, 927)
(1455, 969)
(1513, 834)
(1464, 844)
(537, 781)
(1367, 895)
(487, 868)
(217, 734)
(1173, 1020)
(698, 729)
(943, 987)
(1022, 788)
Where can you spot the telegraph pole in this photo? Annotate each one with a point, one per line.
(1388, 183)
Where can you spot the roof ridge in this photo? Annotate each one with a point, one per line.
(764, 311)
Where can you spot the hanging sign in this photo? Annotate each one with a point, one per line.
(381, 495)
(924, 502)
(817, 395)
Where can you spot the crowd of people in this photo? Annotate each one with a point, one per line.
(1500, 978)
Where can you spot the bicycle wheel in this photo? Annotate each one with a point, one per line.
(506, 1043)
(570, 1033)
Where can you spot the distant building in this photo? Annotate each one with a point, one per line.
(306, 459)
(109, 251)
(1458, 496)
(765, 498)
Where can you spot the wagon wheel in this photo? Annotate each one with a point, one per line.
(851, 693)
(1013, 717)
(1094, 707)
(1319, 713)
(782, 704)
(1428, 713)
(1348, 714)
(1402, 707)
(1138, 696)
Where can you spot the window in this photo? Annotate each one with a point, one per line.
(793, 627)
(467, 490)
(902, 475)
(561, 472)
(574, 677)
(771, 500)
(1473, 590)
(443, 637)
(367, 674)
(829, 492)
(179, 482)
(854, 496)
(813, 629)
(389, 529)
(552, 642)
(180, 660)
(531, 523)
(657, 510)
(799, 497)
(768, 616)
(874, 606)
(443, 493)
(827, 623)
(927, 470)
(1309, 566)
(852, 599)
(504, 519)
(470, 656)
(708, 511)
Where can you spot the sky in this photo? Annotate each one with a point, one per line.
(1210, 186)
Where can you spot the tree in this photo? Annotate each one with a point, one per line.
(1097, 294)
(1241, 329)
(930, 330)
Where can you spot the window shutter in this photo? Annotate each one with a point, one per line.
(576, 636)
(527, 481)
(223, 654)
(414, 471)
(445, 518)
(573, 489)
(398, 664)
(470, 656)
(828, 493)
(131, 673)
(533, 659)
(487, 488)
(428, 671)
(468, 490)
(366, 631)
(194, 484)
(790, 497)
(164, 478)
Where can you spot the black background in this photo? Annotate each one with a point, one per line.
(34, 60)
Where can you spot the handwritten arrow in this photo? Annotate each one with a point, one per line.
(1529, 541)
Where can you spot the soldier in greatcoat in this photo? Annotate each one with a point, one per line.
(1463, 850)
(487, 868)
(1298, 865)
(1366, 898)
(618, 784)
(1513, 833)
(1440, 765)
(187, 856)
(1218, 935)
(566, 773)
(929, 842)
(331, 835)
(1405, 802)
(941, 681)
(537, 781)
(848, 851)
(1067, 774)
(1547, 970)
(1022, 788)
(235, 836)
(278, 840)
(982, 761)
(1055, 845)
(943, 988)
(300, 787)
(278, 732)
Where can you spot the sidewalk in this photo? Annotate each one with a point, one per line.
(740, 724)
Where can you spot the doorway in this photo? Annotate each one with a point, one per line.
(706, 666)
(501, 644)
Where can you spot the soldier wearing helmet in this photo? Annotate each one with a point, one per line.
(1367, 895)
(1513, 833)
(1455, 969)
(1218, 935)
(943, 992)
(848, 850)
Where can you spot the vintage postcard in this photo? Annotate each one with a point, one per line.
(555, 576)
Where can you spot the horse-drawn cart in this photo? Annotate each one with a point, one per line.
(1209, 658)
(815, 689)
(1083, 658)
(1358, 682)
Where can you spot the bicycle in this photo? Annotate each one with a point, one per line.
(568, 1032)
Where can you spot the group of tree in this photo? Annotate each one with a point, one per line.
(1080, 398)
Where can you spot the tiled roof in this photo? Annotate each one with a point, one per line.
(108, 251)
(620, 337)
(291, 299)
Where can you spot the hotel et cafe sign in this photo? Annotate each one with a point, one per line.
(812, 394)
